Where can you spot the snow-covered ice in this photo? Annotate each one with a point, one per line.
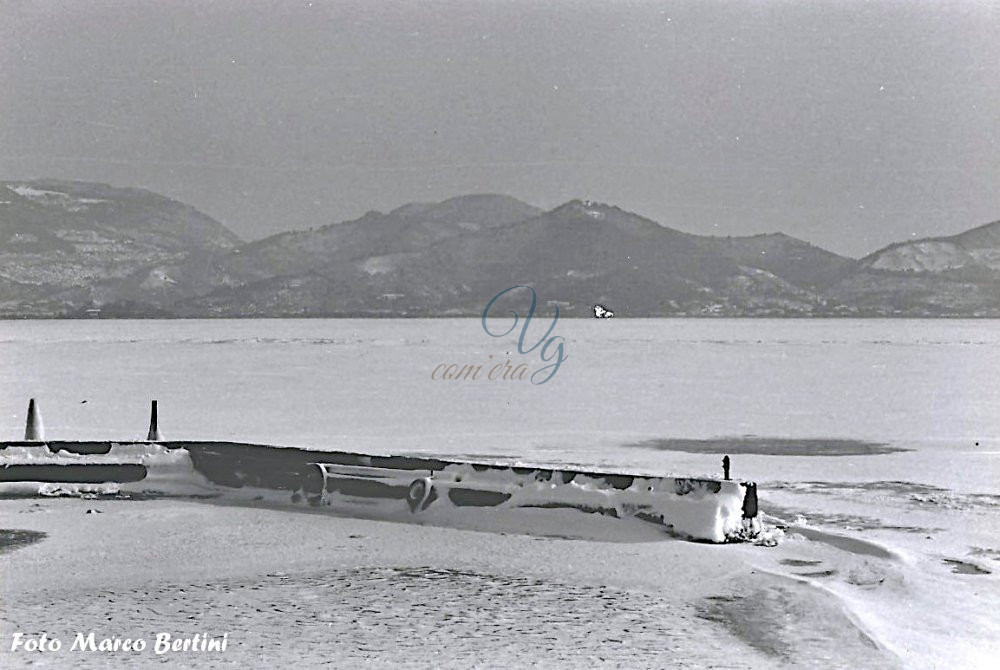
(901, 542)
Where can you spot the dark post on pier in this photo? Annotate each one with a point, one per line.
(725, 466)
(33, 431)
(154, 430)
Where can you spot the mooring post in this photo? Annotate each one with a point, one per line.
(725, 466)
(750, 501)
(33, 429)
(154, 430)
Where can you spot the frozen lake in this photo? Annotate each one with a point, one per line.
(367, 385)
(884, 430)
(895, 380)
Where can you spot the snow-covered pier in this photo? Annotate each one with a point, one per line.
(706, 509)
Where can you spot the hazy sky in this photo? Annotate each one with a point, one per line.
(849, 124)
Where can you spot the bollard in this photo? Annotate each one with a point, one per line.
(725, 466)
(33, 429)
(750, 501)
(154, 430)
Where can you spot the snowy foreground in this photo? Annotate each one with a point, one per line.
(182, 565)
(177, 567)
(293, 585)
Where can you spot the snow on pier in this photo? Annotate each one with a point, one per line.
(705, 509)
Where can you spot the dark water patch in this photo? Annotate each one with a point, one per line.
(798, 562)
(963, 568)
(13, 538)
(771, 446)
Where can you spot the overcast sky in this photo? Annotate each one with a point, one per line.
(849, 124)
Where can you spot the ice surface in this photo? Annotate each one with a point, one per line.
(925, 386)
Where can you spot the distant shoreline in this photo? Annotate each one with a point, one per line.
(408, 317)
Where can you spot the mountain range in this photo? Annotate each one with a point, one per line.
(73, 249)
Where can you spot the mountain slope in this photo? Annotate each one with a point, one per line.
(374, 236)
(67, 245)
(792, 259)
(976, 251)
(958, 275)
(579, 254)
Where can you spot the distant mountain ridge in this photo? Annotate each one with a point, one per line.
(74, 249)
(66, 246)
